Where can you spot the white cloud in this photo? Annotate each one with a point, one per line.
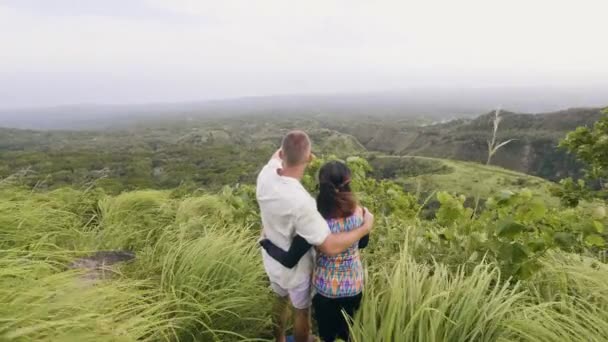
(232, 48)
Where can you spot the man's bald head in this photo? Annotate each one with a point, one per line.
(295, 148)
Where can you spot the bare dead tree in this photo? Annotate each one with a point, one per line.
(493, 147)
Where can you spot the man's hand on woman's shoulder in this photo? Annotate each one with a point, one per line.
(368, 219)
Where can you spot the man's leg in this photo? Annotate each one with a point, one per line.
(300, 299)
(280, 314)
(301, 328)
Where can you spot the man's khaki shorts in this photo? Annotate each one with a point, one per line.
(299, 295)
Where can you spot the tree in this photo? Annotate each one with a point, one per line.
(590, 145)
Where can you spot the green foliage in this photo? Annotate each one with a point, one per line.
(167, 166)
(571, 193)
(163, 155)
(382, 197)
(514, 231)
(452, 210)
(590, 145)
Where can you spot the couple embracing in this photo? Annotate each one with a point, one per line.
(311, 248)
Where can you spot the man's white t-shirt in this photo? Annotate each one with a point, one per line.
(287, 209)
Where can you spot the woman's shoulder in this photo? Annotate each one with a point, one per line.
(356, 219)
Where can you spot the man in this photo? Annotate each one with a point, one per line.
(287, 209)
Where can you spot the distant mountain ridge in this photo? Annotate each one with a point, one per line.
(422, 104)
(534, 150)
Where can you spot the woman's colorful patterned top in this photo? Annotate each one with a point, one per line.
(340, 275)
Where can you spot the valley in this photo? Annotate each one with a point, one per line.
(203, 151)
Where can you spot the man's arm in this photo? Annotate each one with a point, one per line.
(364, 241)
(337, 243)
(299, 247)
(313, 228)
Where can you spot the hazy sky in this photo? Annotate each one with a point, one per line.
(126, 51)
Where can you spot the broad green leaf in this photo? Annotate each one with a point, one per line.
(505, 251)
(526, 194)
(443, 197)
(509, 228)
(494, 245)
(536, 245)
(595, 240)
(599, 212)
(447, 234)
(599, 227)
(536, 210)
(519, 253)
(491, 203)
(504, 196)
(528, 268)
(476, 240)
(430, 235)
(564, 240)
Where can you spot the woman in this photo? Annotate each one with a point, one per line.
(337, 280)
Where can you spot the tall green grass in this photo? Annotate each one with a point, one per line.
(419, 302)
(219, 282)
(55, 220)
(44, 302)
(568, 301)
(411, 301)
(198, 276)
(134, 220)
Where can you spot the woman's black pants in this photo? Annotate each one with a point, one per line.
(328, 314)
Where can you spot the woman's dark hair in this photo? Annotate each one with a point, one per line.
(335, 198)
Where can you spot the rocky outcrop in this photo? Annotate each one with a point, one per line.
(97, 266)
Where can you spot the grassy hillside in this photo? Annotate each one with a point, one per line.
(519, 271)
(470, 179)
